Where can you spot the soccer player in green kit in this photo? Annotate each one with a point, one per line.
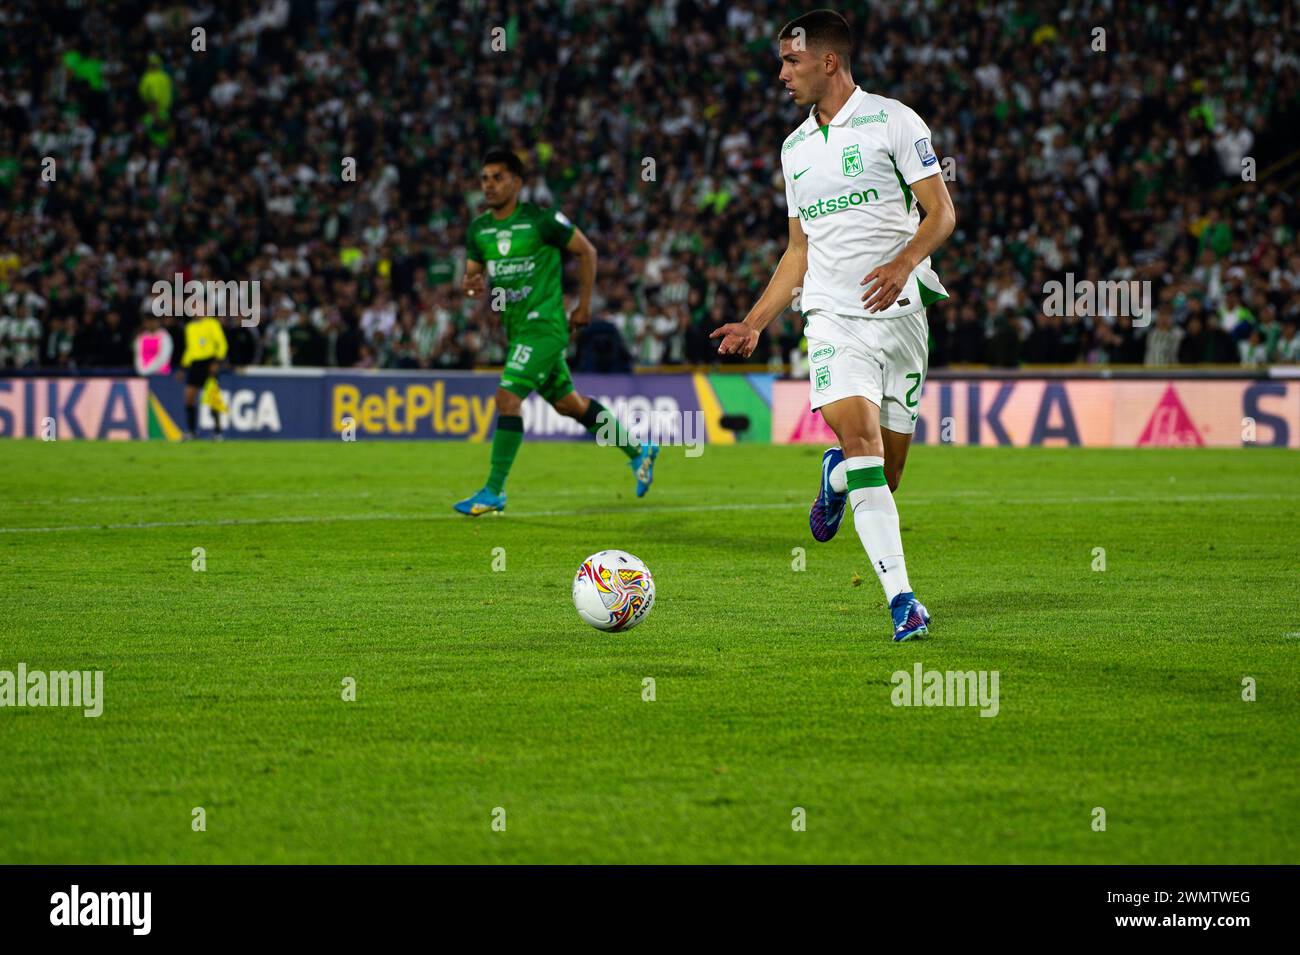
(517, 245)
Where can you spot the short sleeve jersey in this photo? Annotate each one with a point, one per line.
(849, 184)
(522, 256)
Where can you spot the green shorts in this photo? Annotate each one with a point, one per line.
(537, 365)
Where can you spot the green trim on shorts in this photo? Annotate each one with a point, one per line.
(521, 389)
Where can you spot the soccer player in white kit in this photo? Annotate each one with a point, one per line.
(858, 258)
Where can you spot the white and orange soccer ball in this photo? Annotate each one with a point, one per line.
(613, 590)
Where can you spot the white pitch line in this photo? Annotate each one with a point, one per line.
(205, 496)
(324, 519)
(649, 509)
(198, 496)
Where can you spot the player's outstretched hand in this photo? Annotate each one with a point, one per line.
(889, 279)
(737, 339)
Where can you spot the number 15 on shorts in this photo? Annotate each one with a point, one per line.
(519, 357)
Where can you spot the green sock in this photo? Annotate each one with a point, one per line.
(505, 445)
(595, 419)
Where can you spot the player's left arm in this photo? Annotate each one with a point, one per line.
(940, 219)
(581, 246)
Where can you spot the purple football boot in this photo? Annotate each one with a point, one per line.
(828, 508)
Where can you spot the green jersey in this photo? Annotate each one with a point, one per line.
(522, 255)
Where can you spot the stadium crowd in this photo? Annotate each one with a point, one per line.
(657, 128)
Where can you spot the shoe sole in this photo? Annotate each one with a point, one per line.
(918, 632)
(834, 530)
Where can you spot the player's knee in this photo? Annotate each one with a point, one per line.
(508, 402)
(862, 447)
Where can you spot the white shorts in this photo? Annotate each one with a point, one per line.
(881, 359)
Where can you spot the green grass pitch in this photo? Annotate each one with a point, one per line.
(476, 689)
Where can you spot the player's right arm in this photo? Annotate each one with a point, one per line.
(741, 338)
(474, 282)
(474, 285)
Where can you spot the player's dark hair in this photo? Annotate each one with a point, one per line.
(823, 30)
(505, 157)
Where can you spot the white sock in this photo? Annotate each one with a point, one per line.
(840, 477)
(875, 518)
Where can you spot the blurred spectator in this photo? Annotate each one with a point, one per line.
(602, 349)
(404, 348)
(57, 349)
(1195, 344)
(156, 90)
(1163, 340)
(1237, 320)
(1127, 347)
(115, 343)
(1253, 350)
(153, 349)
(1288, 345)
(379, 318)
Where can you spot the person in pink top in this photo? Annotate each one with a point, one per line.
(153, 349)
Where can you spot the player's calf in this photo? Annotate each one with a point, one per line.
(875, 517)
(896, 445)
(602, 424)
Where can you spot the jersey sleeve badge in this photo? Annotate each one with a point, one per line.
(928, 158)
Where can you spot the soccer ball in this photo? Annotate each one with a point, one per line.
(613, 590)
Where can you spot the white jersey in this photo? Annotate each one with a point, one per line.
(849, 185)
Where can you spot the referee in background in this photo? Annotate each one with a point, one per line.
(205, 349)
